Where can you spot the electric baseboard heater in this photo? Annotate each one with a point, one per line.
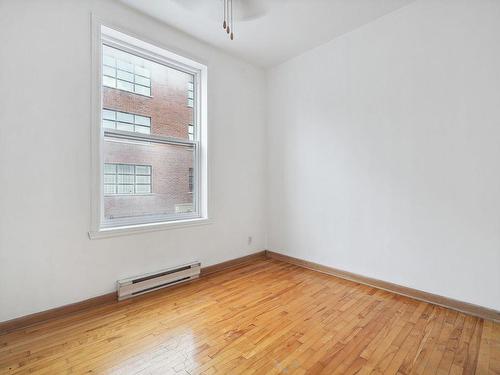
(138, 285)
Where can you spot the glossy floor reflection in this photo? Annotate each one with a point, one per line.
(266, 317)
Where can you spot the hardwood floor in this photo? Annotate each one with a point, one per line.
(267, 317)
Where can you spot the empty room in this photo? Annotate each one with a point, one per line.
(250, 187)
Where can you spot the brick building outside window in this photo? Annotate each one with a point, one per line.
(140, 96)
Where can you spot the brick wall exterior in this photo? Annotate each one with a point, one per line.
(170, 116)
(167, 105)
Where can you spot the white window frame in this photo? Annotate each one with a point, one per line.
(114, 38)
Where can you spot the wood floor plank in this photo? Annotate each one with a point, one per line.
(265, 317)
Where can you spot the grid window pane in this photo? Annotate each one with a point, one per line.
(143, 81)
(125, 117)
(143, 179)
(128, 71)
(126, 76)
(108, 115)
(124, 126)
(110, 179)
(125, 189)
(125, 169)
(142, 71)
(125, 121)
(108, 124)
(109, 60)
(108, 81)
(143, 169)
(124, 65)
(142, 129)
(109, 168)
(190, 92)
(142, 120)
(126, 179)
(124, 85)
(191, 132)
(109, 71)
(109, 189)
(142, 90)
(191, 179)
(143, 189)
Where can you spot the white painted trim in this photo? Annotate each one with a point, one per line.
(141, 46)
(96, 138)
(145, 228)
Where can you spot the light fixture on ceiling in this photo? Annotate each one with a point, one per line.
(228, 24)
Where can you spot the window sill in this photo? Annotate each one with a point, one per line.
(145, 228)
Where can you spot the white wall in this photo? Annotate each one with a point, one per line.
(46, 258)
(384, 151)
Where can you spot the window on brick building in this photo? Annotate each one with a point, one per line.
(125, 121)
(125, 72)
(191, 180)
(153, 166)
(191, 132)
(190, 94)
(127, 179)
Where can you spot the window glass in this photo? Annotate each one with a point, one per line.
(142, 81)
(142, 90)
(124, 121)
(125, 117)
(141, 120)
(126, 179)
(165, 171)
(121, 70)
(150, 150)
(108, 81)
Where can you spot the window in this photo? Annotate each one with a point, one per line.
(127, 179)
(191, 132)
(180, 208)
(125, 121)
(191, 180)
(190, 94)
(150, 170)
(125, 72)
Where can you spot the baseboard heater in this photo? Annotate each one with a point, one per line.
(135, 286)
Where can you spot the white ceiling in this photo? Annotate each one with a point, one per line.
(278, 30)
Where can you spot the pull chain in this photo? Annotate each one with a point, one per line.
(232, 24)
(228, 30)
(227, 23)
(224, 23)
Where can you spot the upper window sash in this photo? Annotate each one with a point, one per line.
(152, 56)
(194, 83)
